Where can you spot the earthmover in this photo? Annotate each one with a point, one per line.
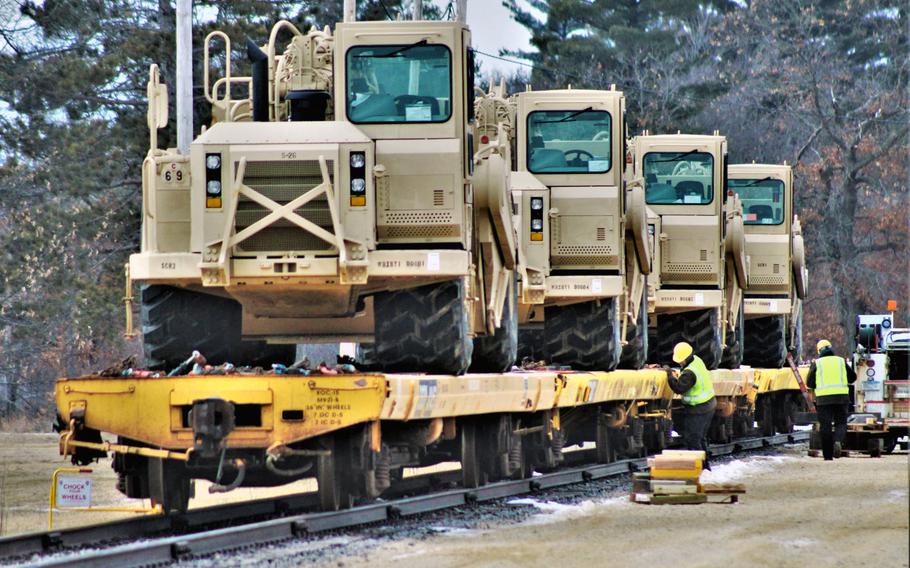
(582, 232)
(339, 196)
(696, 295)
(778, 277)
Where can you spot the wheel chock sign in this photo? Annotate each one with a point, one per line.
(73, 492)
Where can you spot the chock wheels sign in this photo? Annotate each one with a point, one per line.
(73, 492)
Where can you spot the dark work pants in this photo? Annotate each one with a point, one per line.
(695, 431)
(829, 414)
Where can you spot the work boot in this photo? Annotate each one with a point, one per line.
(837, 450)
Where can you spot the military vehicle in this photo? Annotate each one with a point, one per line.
(778, 278)
(339, 195)
(582, 232)
(703, 268)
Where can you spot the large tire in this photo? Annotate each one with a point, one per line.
(365, 356)
(423, 329)
(765, 343)
(497, 353)
(635, 352)
(698, 328)
(733, 352)
(584, 336)
(177, 321)
(530, 344)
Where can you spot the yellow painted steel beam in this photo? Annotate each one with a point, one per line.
(771, 380)
(154, 410)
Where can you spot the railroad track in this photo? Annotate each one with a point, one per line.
(198, 538)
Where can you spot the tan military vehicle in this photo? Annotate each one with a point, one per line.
(696, 295)
(779, 276)
(582, 232)
(338, 196)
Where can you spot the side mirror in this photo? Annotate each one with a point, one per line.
(158, 101)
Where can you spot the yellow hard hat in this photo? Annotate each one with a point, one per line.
(821, 345)
(681, 352)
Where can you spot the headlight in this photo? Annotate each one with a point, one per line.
(213, 161)
(537, 224)
(536, 203)
(358, 160)
(213, 187)
(358, 185)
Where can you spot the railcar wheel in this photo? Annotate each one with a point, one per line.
(785, 415)
(423, 329)
(333, 478)
(169, 485)
(584, 335)
(766, 423)
(604, 450)
(472, 470)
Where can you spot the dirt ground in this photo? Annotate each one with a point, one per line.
(798, 512)
(27, 462)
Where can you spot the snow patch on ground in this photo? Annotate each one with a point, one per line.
(798, 543)
(897, 495)
(552, 512)
(732, 471)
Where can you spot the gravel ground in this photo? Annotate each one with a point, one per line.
(531, 531)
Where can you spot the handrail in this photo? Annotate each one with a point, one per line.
(227, 68)
(273, 92)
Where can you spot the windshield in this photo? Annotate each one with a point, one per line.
(679, 177)
(399, 83)
(569, 141)
(763, 200)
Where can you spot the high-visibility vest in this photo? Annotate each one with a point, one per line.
(703, 389)
(831, 376)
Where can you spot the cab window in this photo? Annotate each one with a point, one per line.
(398, 83)
(762, 199)
(683, 178)
(569, 141)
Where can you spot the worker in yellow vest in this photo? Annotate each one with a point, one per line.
(830, 377)
(695, 386)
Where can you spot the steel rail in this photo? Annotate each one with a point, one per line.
(170, 549)
(194, 520)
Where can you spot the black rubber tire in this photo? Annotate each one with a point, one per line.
(497, 353)
(530, 344)
(423, 329)
(177, 321)
(698, 328)
(733, 352)
(635, 352)
(875, 447)
(584, 336)
(765, 345)
(365, 357)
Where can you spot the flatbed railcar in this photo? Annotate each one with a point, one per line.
(355, 433)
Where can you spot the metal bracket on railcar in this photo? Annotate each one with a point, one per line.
(212, 420)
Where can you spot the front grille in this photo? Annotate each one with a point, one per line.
(687, 277)
(688, 267)
(580, 260)
(282, 182)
